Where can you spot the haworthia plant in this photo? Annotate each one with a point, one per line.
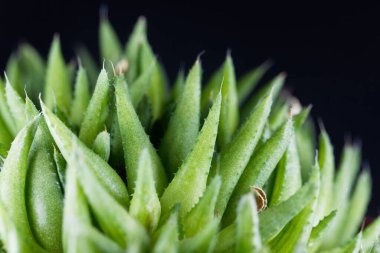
(117, 161)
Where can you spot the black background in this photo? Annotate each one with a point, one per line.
(331, 53)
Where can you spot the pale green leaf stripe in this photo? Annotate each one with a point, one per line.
(229, 114)
(66, 141)
(13, 178)
(326, 161)
(5, 111)
(13, 237)
(81, 97)
(44, 198)
(110, 47)
(82, 237)
(102, 145)
(141, 85)
(145, 204)
(33, 68)
(135, 140)
(203, 241)
(16, 105)
(273, 86)
(189, 183)
(357, 207)
(270, 227)
(260, 167)
(96, 113)
(113, 218)
(57, 85)
(167, 236)
(295, 235)
(248, 82)
(247, 226)
(285, 211)
(319, 231)
(235, 157)
(183, 127)
(203, 212)
(288, 178)
(133, 48)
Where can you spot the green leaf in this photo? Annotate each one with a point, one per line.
(211, 89)
(102, 145)
(96, 113)
(13, 178)
(81, 97)
(203, 212)
(67, 142)
(235, 157)
(167, 236)
(260, 167)
(57, 85)
(370, 235)
(16, 105)
(5, 111)
(248, 82)
(306, 145)
(44, 198)
(203, 241)
(229, 114)
(110, 47)
(183, 127)
(319, 231)
(274, 87)
(288, 178)
(295, 235)
(189, 183)
(285, 211)
(135, 140)
(178, 86)
(247, 226)
(145, 204)
(133, 48)
(141, 85)
(14, 73)
(327, 163)
(89, 64)
(112, 217)
(157, 91)
(357, 207)
(60, 165)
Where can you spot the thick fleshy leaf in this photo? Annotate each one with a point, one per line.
(319, 230)
(96, 113)
(112, 218)
(81, 97)
(5, 111)
(44, 198)
(102, 145)
(274, 87)
(67, 141)
(202, 242)
(13, 178)
(89, 64)
(260, 167)
(203, 212)
(294, 237)
(306, 144)
(189, 183)
(16, 105)
(135, 140)
(229, 112)
(183, 127)
(235, 157)
(145, 204)
(57, 91)
(60, 165)
(371, 235)
(110, 47)
(248, 82)
(14, 73)
(133, 48)
(167, 236)
(247, 226)
(141, 85)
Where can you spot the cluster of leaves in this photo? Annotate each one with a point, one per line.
(119, 162)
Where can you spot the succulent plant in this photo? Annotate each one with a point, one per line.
(114, 159)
